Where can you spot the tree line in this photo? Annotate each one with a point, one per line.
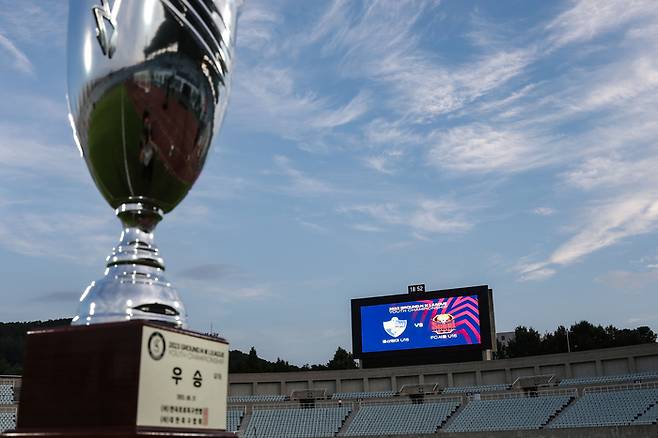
(250, 363)
(579, 337)
(526, 342)
(12, 340)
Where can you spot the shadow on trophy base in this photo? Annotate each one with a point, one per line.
(126, 379)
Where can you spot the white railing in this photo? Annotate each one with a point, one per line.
(409, 401)
(622, 387)
(297, 405)
(572, 392)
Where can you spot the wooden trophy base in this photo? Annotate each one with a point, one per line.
(127, 379)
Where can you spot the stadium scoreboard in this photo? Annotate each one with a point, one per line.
(451, 325)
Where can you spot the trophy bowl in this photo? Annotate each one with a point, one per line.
(148, 85)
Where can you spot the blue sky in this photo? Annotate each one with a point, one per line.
(367, 146)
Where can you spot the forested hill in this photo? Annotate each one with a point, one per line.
(526, 342)
(12, 339)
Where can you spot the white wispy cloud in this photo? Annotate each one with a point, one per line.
(622, 84)
(368, 228)
(534, 271)
(383, 45)
(257, 26)
(421, 217)
(481, 148)
(26, 150)
(384, 162)
(613, 171)
(382, 132)
(271, 97)
(544, 211)
(299, 182)
(315, 227)
(349, 112)
(604, 224)
(82, 238)
(35, 22)
(587, 19)
(19, 60)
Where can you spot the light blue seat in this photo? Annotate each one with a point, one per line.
(256, 398)
(399, 419)
(517, 413)
(648, 417)
(7, 421)
(295, 422)
(610, 408)
(6, 394)
(605, 380)
(233, 418)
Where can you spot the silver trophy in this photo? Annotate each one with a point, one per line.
(148, 85)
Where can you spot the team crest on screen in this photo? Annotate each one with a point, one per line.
(442, 324)
(395, 327)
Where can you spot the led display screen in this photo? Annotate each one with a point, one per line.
(440, 322)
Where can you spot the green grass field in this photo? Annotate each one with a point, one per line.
(106, 155)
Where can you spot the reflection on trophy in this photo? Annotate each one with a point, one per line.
(148, 87)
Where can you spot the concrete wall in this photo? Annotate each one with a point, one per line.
(579, 364)
(581, 432)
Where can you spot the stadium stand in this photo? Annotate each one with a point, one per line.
(296, 422)
(618, 378)
(256, 398)
(475, 389)
(6, 394)
(7, 418)
(393, 417)
(650, 416)
(513, 411)
(234, 416)
(362, 395)
(608, 406)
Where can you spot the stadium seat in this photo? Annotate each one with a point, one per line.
(617, 378)
(608, 407)
(295, 422)
(233, 418)
(362, 395)
(650, 416)
(7, 420)
(6, 394)
(398, 418)
(512, 413)
(256, 398)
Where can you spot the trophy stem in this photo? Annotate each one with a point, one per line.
(134, 285)
(136, 245)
